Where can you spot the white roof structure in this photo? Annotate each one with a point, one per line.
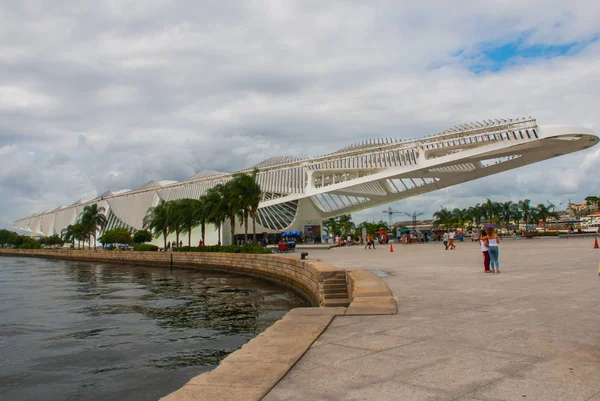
(359, 176)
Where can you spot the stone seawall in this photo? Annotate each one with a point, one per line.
(303, 276)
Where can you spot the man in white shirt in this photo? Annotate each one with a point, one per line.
(446, 240)
(451, 242)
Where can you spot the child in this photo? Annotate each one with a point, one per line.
(485, 251)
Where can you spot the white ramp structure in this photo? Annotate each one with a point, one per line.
(299, 193)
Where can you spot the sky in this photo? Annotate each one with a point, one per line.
(113, 94)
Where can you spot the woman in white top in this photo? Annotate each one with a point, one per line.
(492, 244)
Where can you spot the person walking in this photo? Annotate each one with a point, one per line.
(368, 241)
(493, 240)
(451, 240)
(445, 237)
(483, 241)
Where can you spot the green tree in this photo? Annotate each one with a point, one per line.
(202, 215)
(249, 193)
(142, 236)
(188, 216)
(443, 218)
(460, 217)
(593, 202)
(92, 219)
(217, 207)
(544, 212)
(157, 221)
(116, 236)
(4, 237)
(346, 225)
(526, 210)
(506, 212)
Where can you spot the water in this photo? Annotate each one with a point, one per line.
(91, 331)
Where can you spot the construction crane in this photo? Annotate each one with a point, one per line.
(390, 212)
(414, 219)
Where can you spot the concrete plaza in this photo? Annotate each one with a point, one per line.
(529, 333)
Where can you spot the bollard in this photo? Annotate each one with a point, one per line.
(303, 255)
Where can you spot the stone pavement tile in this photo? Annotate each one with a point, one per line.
(596, 397)
(329, 354)
(192, 392)
(393, 391)
(421, 330)
(386, 365)
(452, 377)
(533, 390)
(569, 371)
(318, 383)
(366, 324)
(374, 342)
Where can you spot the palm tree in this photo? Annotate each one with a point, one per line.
(201, 215)
(476, 213)
(491, 211)
(460, 217)
(545, 212)
(249, 193)
(187, 216)
(506, 212)
(68, 234)
(526, 210)
(157, 221)
(93, 219)
(443, 217)
(216, 207)
(346, 224)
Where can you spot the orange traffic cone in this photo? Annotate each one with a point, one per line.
(595, 243)
(391, 247)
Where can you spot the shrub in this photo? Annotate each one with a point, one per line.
(116, 236)
(30, 245)
(142, 236)
(145, 248)
(254, 249)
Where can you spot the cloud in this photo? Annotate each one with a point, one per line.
(109, 95)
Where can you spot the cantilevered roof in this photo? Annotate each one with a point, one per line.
(276, 160)
(205, 173)
(156, 184)
(368, 143)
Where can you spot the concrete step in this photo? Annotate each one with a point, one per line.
(335, 287)
(336, 302)
(334, 281)
(336, 295)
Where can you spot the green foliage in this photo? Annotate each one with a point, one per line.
(30, 245)
(506, 214)
(91, 220)
(116, 236)
(372, 228)
(145, 248)
(254, 249)
(142, 236)
(237, 198)
(52, 240)
(341, 225)
(7, 237)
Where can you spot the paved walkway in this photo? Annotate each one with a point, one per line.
(529, 333)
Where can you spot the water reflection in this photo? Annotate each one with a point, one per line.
(71, 330)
